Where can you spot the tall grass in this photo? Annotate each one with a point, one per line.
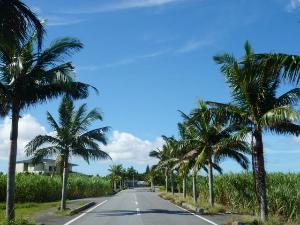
(236, 192)
(43, 188)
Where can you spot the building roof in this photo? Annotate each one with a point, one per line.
(43, 160)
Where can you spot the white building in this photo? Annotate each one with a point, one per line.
(45, 166)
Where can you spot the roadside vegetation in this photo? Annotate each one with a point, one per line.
(234, 193)
(45, 188)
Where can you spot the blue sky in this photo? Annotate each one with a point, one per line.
(150, 58)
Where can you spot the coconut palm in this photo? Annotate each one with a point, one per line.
(29, 78)
(213, 140)
(18, 22)
(257, 105)
(166, 157)
(150, 176)
(72, 138)
(180, 149)
(161, 155)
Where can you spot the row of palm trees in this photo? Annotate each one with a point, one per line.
(31, 75)
(215, 131)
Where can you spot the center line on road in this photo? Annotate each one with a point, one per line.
(136, 203)
(138, 212)
(91, 209)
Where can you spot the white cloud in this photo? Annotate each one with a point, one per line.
(90, 68)
(128, 61)
(193, 45)
(122, 62)
(156, 54)
(293, 4)
(122, 5)
(29, 127)
(127, 147)
(188, 47)
(61, 20)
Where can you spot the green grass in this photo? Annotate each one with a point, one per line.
(179, 200)
(19, 222)
(27, 210)
(253, 220)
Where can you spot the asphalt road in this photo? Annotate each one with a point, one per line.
(138, 207)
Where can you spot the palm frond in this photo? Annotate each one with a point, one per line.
(97, 134)
(38, 141)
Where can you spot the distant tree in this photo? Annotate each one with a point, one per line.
(116, 173)
(147, 169)
(132, 174)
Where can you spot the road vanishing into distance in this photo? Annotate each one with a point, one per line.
(138, 207)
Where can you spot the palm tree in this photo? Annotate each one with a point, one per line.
(213, 140)
(160, 155)
(72, 138)
(29, 78)
(115, 174)
(179, 150)
(18, 22)
(166, 157)
(257, 106)
(150, 176)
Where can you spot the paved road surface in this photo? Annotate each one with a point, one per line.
(137, 207)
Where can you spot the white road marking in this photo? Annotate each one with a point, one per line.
(83, 214)
(136, 203)
(138, 211)
(207, 220)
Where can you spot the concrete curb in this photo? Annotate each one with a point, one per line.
(80, 209)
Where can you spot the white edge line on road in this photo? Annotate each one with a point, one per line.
(138, 212)
(91, 209)
(207, 220)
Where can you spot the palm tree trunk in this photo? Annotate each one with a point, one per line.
(115, 185)
(184, 187)
(210, 183)
(172, 183)
(166, 182)
(260, 174)
(194, 188)
(11, 175)
(152, 185)
(64, 191)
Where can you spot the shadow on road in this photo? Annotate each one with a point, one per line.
(134, 212)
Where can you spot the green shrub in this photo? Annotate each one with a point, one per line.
(43, 188)
(19, 222)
